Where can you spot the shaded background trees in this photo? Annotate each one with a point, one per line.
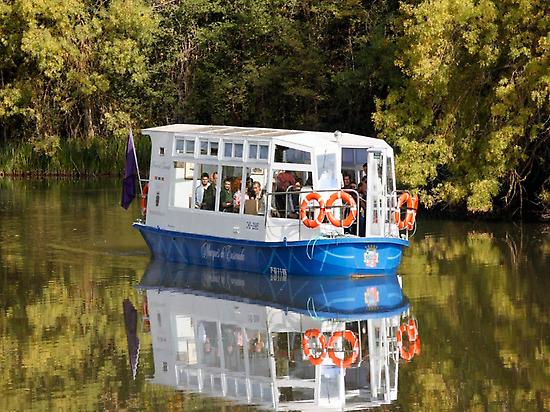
(459, 88)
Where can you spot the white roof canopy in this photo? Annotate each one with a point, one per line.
(305, 138)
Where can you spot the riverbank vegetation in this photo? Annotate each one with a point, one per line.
(461, 89)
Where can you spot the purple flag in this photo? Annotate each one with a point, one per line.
(130, 173)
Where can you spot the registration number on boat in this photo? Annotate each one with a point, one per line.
(277, 274)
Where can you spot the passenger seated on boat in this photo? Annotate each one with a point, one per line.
(347, 182)
(256, 205)
(226, 197)
(199, 190)
(284, 179)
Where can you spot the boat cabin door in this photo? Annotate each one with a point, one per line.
(379, 176)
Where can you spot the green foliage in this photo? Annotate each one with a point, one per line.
(68, 66)
(461, 89)
(470, 120)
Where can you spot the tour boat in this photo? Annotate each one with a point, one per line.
(213, 334)
(274, 201)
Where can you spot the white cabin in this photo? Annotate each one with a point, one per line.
(318, 161)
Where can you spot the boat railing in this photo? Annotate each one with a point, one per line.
(375, 213)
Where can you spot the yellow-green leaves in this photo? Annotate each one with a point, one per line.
(474, 101)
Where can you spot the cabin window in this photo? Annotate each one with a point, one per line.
(207, 336)
(230, 189)
(255, 198)
(185, 146)
(183, 184)
(204, 188)
(264, 151)
(258, 151)
(190, 147)
(233, 150)
(209, 148)
(233, 341)
(287, 197)
(253, 151)
(352, 158)
(327, 175)
(285, 154)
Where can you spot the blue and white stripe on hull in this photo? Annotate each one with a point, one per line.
(340, 256)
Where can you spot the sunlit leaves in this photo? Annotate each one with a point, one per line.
(475, 99)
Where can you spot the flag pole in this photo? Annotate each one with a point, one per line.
(137, 165)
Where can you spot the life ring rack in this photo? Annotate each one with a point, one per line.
(346, 335)
(315, 222)
(346, 198)
(348, 360)
(412, 205)
(314, 334)
(410, 329)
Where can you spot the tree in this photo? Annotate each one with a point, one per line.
(471, 119)
(72, 69)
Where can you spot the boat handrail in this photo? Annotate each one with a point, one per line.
(388, 211)
(352, 192)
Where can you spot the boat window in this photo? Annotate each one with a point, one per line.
(233, 150)
(233, 341)
(286, 187)
(213, 149)
(185, 146)
(353, 157)
(204, 188)
(182, 194)
(258, 353)
(253, 151)
(285, 154)
(207, 337)
(230, 189)
(264, 151)
(327, 177)
(254, 199)
(238, 150)
(258, 151)
(208, 148)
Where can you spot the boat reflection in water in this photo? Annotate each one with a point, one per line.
(282, 343)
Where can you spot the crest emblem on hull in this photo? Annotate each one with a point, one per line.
(370, 257)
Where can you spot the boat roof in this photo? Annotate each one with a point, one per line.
(307, 138)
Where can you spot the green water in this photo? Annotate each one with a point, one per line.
(69, 257)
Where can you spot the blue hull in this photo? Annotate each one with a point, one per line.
(345, 256)
(334, 298)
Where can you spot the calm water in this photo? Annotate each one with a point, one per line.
(68, 259)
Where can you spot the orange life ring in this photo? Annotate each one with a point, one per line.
(346, 198)
(144, 199)
(410, 328)
(412, 206)
(312, 223)
(314, 334)
(347, 361)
